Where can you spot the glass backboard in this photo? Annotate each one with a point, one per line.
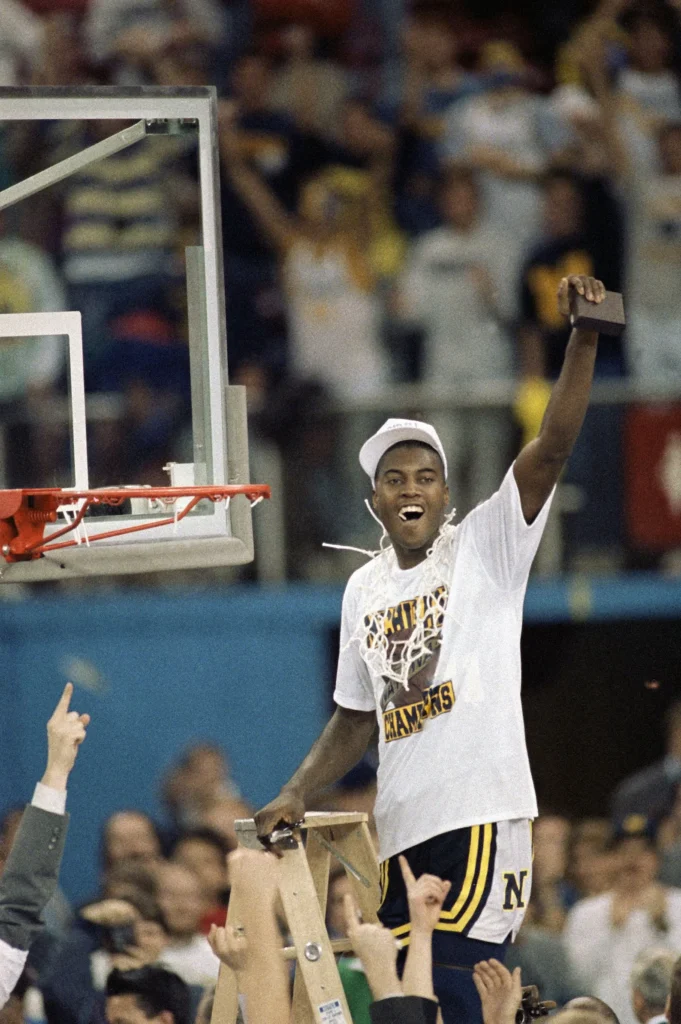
(196, 433)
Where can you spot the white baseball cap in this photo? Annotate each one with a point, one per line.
(392, 432)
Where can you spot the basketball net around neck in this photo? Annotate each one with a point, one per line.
(384, 655)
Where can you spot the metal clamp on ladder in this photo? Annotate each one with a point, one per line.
(306, 852)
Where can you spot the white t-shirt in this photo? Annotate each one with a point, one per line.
(194, 961)
(602, 957)
(473, 344)
(452, 747)
(335, 321)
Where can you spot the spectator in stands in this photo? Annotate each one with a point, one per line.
(221, 816)
(120, 231)
(509, 134)
(326, 257)
(21, 32)
(281, 154)
(200, 792)
(567, 245)
(501, 992)
(146, 366)
(653, 790)
(587, 154)
(129, 836)
(590, 859)
(123, 932)
(605, 934)
(204, 1012)
(204, 851)
(552, 895)
(130, 876)
(434, 86)
(593, 1006)
(197, 780)
(651, 980)
(466, 266)
(646, 86)
(308, 88)
(128, 35)
(654, 349)
(673, 1007)
(180, 897)
(563, 246)
(147, 994)
(30, 367)
(669, 844)
(359, 169)
(650, 179)
(541, 957)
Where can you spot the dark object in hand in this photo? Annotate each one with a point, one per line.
(118, 938)
(606, 317)
(531, 1007)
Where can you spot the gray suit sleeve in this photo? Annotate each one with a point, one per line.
(30, 876)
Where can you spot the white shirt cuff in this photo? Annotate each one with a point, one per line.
(12, 963)
(48, 799)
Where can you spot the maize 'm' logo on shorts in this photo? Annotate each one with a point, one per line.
(409, 718)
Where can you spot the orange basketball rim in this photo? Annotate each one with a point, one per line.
(25, 513)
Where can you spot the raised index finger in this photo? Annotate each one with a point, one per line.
(65, 699)
(407, 873)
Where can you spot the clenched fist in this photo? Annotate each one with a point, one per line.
(286, 809)
(589, 287)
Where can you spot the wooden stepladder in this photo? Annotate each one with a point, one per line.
(318, 996)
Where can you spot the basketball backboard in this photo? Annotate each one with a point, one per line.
(216, 452)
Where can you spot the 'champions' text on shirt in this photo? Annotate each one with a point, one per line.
(409, 718)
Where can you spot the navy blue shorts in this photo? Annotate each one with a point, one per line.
(490, 868)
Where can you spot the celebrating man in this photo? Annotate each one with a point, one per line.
(430, 649)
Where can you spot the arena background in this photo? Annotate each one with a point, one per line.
(246, 659)
(252, 670)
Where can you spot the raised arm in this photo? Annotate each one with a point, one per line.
(540, 463)
(256, 951)
(29, 878)
(338, 749)
(276, 223)
(589, 49)
(425, 897)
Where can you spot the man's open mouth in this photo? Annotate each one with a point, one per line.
(411, 512)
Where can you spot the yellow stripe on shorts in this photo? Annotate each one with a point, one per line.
(384, 874)
(474, 882)
(469, 878)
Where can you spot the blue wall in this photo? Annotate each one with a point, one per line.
(248, 668)
(249, 671)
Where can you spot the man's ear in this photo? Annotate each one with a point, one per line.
(374, 500)
(165, 1017)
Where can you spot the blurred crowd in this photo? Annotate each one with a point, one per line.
(603, 920)
(403, 187)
